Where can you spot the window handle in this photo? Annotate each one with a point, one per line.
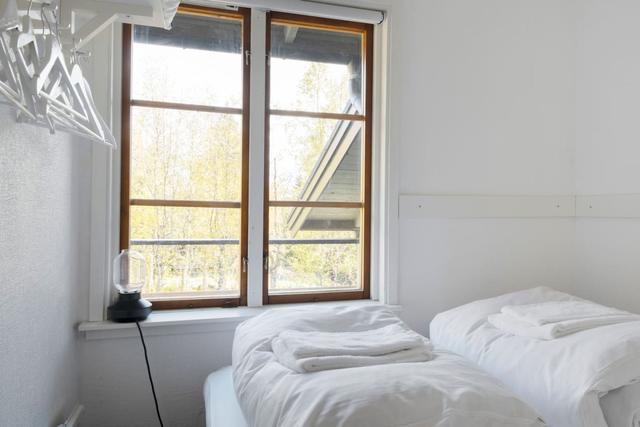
(265, 262)
(245, 262)
(247, 57)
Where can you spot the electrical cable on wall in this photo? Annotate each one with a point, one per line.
(153, 388)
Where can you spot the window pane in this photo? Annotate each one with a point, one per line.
(199, 61)
(190, 252)
(185, 155)
(316, 69)
(314, 250)
(191, 271)
(315, 160)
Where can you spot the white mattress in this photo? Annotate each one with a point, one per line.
(220, 400)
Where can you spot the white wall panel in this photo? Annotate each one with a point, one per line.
(455, 206)
(608, 206)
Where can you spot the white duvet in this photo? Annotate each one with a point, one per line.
(444, 392)
(563, 379)
(621, 407)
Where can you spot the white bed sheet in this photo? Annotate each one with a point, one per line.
(220, 401)
(621, 407)
(563, 379)
(445, 392)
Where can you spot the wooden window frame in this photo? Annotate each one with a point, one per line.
(125, 200)
(367, 34)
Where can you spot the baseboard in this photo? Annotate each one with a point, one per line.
(72, 421)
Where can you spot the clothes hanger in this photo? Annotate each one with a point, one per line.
(70, 95)
(10, 85)
(9, 15)
(27, 57)
(35, 77)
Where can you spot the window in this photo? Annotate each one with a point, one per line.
(185, 158)
(319, 157)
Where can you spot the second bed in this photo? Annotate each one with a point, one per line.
(585, 379)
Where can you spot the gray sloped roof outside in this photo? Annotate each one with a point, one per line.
(336, 176)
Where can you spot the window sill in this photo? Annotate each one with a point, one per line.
(199, 320)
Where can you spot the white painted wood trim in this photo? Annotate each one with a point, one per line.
(74, 417)
(479, 206)
(608, 206)
(170, 322)
(311, 8)
(116, 109)
(102, 177)
(256, 158)
(492, 206)
(384, 225)
(105, 174)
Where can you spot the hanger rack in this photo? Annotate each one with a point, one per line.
(39, 46)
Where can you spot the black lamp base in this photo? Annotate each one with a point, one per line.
(129, 308)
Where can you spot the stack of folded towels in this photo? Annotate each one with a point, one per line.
(555, 319)
(314, 351)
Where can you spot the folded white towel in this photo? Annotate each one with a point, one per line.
(311, 351)
(559, 311)
(373, 342)
(550, 331)
(323, 363)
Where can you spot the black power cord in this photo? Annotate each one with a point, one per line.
(153, 389)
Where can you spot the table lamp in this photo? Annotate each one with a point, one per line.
(129, 274)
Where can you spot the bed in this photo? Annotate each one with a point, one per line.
(585, 379)
(221, 405)
(446, 391)
(621, 407)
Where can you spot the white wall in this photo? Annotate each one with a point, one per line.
(43, 240)
(115, 387)
(517, 97)
(608, 147)
(482, 103)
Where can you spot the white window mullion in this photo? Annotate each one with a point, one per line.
(256, 156)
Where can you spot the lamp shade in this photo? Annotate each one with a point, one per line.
(129, 272)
